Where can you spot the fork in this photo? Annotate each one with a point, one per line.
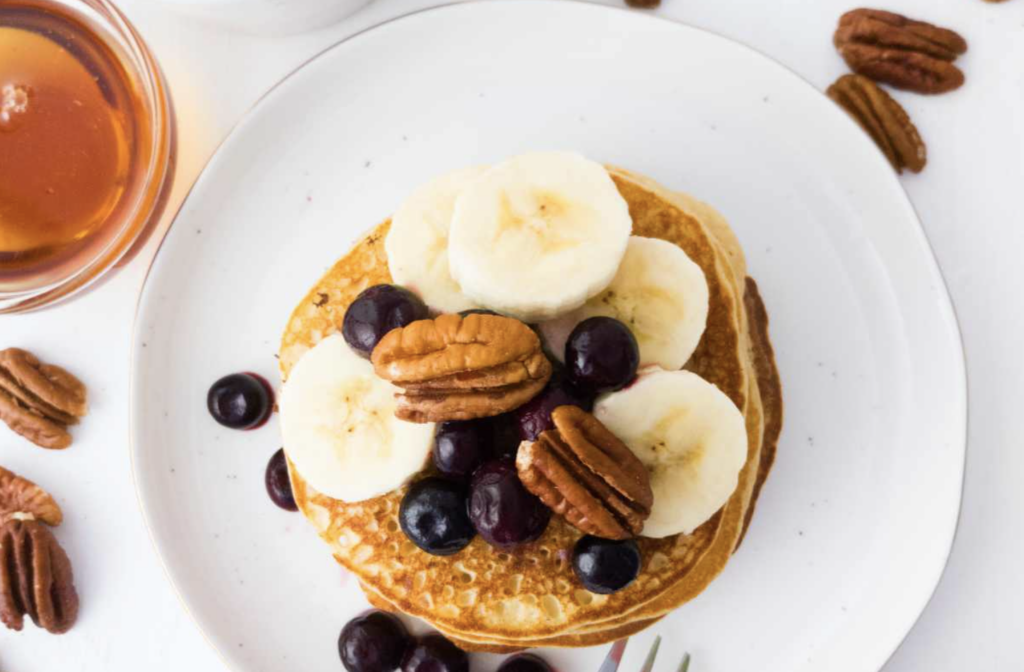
(611, 663)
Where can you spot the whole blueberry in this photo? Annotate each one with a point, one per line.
(433, 516)
(373, 642)
(504, 512)
(279, 486)
(602, 355)
(240, 401)
(461, 446)
(375, 312)
(434, 653)
(604, 566)
(504, 435)
(525, 662)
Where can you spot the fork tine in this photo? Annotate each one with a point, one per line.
(685, 665)
(649, 663)
(611, 663)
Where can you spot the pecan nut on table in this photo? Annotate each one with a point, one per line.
(36, 579)
(39, 401)
(884, 119)
(901, 52)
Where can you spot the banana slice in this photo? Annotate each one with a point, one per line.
(339, 426)
(659, 293)
(538, 235)
(417, 244)
(691, 438)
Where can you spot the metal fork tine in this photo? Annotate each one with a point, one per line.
(611, 663)
(649, 663)
(685, 665)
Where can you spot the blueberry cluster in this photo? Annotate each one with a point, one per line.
(378, 642)
(478, 490)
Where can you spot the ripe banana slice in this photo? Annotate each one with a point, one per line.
(417, 244)
(539, 234)
(691, 438)
(659, 293)
(339, 426)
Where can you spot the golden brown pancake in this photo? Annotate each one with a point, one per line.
(488, 598)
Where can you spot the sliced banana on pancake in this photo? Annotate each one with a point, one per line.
(339, 426)
(659, 293)
(691, 438)
(417, 243)
(539, 234)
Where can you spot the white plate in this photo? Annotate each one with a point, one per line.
(855, 524)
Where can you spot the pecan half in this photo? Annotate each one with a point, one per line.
(460, 368)
(883, 118)
(907, 54)
(584, 473)
(39, 401)
(35, 578)
(21, 498)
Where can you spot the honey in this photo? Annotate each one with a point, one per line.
(74, 143)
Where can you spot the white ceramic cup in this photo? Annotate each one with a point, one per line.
(269, 17)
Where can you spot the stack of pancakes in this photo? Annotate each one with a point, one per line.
(486, 599)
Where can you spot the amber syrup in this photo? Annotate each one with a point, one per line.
(73, 139)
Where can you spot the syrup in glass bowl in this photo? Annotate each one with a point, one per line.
(84, 169)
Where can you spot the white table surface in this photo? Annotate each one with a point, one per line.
(968, 198)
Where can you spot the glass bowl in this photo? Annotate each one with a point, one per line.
(141, 207)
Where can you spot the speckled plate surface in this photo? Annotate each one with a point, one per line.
(855, 524)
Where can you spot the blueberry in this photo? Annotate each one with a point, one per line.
(375, 312)
(525, 662)
(434, 653)
(462, 446)
(240, 401)
(504, 436)
(504, 512)
(433, 515)
(279, 487)
(602, 355)
(373, 642)
(534, 417)
(605, 566)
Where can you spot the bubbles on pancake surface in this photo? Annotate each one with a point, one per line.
(604, 566)
(376, 311)
(373, 642)
(434, 653)
(433, 516)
